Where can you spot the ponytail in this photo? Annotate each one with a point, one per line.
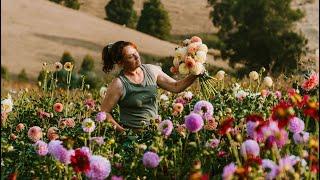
(113, 53)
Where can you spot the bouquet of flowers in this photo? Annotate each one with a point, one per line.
(190, 59)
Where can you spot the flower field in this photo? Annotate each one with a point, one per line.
(256, 128)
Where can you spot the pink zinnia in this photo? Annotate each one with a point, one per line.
(228, 171)
(58, 107)
(301, 138)
(204, 108)
(150, 159)
(88, 125)
(99, 140)
(90, 103)
(213, 143)
(116, 177)
(193, 122)
(250, 148)
(60, 153)
(41, 148)
(278, 94)
(101, 116)
(296, 125)
(165, 127)
(35, 133)
(100, 168)
(312, 82)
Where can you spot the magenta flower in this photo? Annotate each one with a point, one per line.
(150, 159)
(193, 122)
(165, 127)
(250, 148)
(301, 138)
(101, 116)
(100, 168)
(278, 94)
(116, 177)
(296, 125)
(204, 108)
(228, 171)
(213, 143)
(41, 148)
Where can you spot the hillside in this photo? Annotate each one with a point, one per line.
(36, 31)
(192, 16)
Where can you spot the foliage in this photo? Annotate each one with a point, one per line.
(22, 76)
(73, 4)
(4, 73)
(259, 33)
(87, 64)
(154, 20)
(121, 12)
(66, 57)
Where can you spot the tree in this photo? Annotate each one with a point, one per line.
(154, 20)
(87, 64)
(121, 12)
(73, 4)
(259, 33)
(22, 76)
(66, 57)
(4, 73)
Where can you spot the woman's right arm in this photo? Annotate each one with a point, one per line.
(112, 96)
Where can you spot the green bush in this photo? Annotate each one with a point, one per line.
(22, 76)
(4, 73)
(121, 12)
(66, 57)
(154, 20)
(73, 4)
(87, 64)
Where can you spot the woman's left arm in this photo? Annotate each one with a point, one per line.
(168, 83)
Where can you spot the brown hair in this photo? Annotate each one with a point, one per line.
(113, 53)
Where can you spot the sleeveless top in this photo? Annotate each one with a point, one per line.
(138, 103)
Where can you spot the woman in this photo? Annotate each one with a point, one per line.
(135, 88)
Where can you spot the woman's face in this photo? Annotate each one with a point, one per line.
(131, 58)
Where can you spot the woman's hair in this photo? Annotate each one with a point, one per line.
(113, 53)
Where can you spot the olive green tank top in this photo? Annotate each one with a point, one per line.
(138, 103)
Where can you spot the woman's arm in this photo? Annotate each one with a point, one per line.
(113, 94)
(166, 82)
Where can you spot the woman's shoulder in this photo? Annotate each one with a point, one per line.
(153, 67)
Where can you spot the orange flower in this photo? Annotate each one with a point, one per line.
(58, 107)
(178, 107)
(35, 133)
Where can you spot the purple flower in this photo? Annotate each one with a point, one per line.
(228, 171)
(41, 148)
(165, 127)
(88, 125)
(116, 177)
(180, 100)
(99, 140)
(59, 152)
(301, 138)
(86, 151)
(273, 172)
(251, 129)
(100, 168)
(150, 159)
(101, 116)
(250, 148)
(193, 122)
(296, 125)
(278, 94)
(204, 108)
(213, 143)
(286, 164)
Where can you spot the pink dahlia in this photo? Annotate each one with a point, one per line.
(193, 122)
